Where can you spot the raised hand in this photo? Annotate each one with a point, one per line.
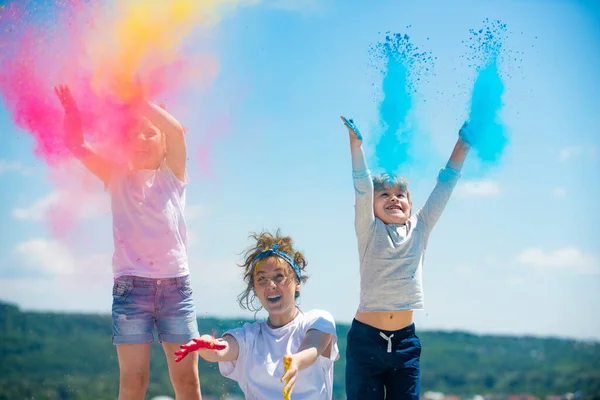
(352, 129)
(66, 98)
(203, 342)
(72, 120)
(467, 134)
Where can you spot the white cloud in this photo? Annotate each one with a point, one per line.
(217, 283)
(51, 258)
(559, 191)
(570, 152)
(50, 276)
(482, 188)
(64, 276)
(47, 256)
(568, 257)
(12, 166)
(83, 205)
(38, 210)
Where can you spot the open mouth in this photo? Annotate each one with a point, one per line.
(395, 208)
(273, 299)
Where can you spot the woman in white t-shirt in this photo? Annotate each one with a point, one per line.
(253, 355)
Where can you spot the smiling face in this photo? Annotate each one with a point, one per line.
(275, 286)
(392, 205)
(391, 199)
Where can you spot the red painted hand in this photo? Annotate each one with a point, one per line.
(203, 342)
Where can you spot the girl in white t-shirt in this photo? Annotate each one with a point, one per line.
(254, 354)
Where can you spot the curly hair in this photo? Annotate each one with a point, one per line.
(266, 240)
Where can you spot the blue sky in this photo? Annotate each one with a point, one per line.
(516, 251)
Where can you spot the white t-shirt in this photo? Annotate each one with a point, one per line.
(259, 366)
(148, 223)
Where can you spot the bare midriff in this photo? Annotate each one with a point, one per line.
(386, 321)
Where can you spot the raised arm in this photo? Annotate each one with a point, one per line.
(314, 344)
(461, 149)
(74, 139)
(447, 180)
(363, 185)
(175, 138)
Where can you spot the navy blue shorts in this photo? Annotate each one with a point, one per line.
(382, 364)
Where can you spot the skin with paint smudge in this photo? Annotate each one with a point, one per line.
(146, 145)
(202, 342)
(74, 137)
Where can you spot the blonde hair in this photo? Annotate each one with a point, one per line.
(266, 240)
(387, 181)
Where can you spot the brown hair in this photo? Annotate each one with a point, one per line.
(266, 240)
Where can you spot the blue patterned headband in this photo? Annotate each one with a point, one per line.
(274, 252)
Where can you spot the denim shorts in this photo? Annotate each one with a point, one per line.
(382, 364)
(140, 304)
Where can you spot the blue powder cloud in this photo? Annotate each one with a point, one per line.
(401, 66)
(489, 135)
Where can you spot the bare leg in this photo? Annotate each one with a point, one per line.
(184, 374)
(134, 366)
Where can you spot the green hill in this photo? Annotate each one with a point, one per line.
(70, 356)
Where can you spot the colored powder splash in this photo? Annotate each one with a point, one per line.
(22, 75)
(146, 40)
(109, 53)
(217, 128)
(401, 65)
(489, 136)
